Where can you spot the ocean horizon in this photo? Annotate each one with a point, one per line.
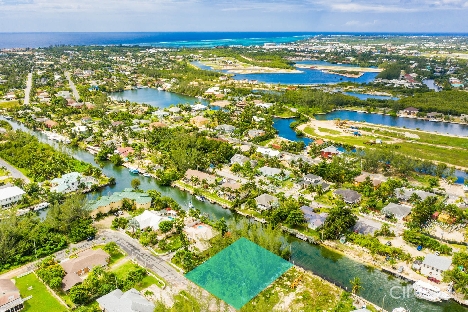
(10, 40)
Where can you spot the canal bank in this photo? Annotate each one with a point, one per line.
(323, 262)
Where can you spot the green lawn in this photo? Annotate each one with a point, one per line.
(149, 280)
(114, 257)
(9, 104)
(331, 131)
(41, 300)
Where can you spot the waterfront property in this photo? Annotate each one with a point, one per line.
(266, 201)
(129, 301)
(105, 204)
(242, 263)
(10, 297)
(10, 195)
(71, 182)
(314, 220)
(435, 266)
(191, 174)
(81, 265)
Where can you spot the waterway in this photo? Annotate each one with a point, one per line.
(321, 261)
(285, 131)
(402, 122)
(156, 98)
(307, 75)
(364, 96)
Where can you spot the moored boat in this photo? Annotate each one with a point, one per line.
(429, 292)
(134, 171)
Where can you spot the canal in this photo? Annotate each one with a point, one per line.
(378, 287)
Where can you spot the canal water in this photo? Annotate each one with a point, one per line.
(156, 98)
(307, 75)
(378, 287)
(364, 96)
(285, 131)
(402, 122)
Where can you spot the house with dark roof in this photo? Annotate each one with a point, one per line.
(398, 211)
(366, 226)
(411, 111)
(348, 196)
(314, 181)
(129, 301)
(10, 298)
(81, 265)
(314, 220)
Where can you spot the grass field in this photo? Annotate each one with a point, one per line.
(331, 131)
(114, 257)
(8, 104)
(41, 300)
(149, 280)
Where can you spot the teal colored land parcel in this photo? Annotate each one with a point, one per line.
(239, 272)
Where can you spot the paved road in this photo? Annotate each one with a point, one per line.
(147, 259)
(130, 246)
(27, 91)
(76, 95)
(15, 173)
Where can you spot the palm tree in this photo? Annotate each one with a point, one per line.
(133, 224)
(356, 283)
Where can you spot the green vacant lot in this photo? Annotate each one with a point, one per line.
(239, 272)
(41, 300)
(122, 270)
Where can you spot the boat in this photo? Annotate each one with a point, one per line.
(200, 198)
(146, 174)
(429, 292)
(190, 205)
(134, 171)
(399, 310)
(160, 89)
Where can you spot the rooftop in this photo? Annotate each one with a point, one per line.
(130, 301)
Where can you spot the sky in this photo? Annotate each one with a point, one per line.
(234, 15)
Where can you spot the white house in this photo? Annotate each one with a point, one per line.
(70, 182)
(435, 265)
(268, 152)
(150, 219)
(10, 195)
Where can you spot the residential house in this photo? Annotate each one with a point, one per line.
(156, 125)
(366, 226)
(160, 114)
(125, 151)
(199, 121)
(199, 233)
(84, 262)
(115, 124)
(255, 133)
(70, 182)
(314, 220)
(174, 109)
(314, 181)
(348, 196)
(129, 301)
(151, 219)
(50, 124)
(274, 172)
(230, 189)
(10, 297)
(266, 201)
(9, 195)
(239, 159)
(435, 266)
(268, 152)
(411, 111)
(404, 194)
(376, 179)
(329, 152)
(201, 176)
(225, 128)
(398, 211)
(198, 107)
(114, 202)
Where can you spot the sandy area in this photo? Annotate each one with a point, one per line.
(341, 68)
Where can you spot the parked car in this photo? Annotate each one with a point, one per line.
(433, 279)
